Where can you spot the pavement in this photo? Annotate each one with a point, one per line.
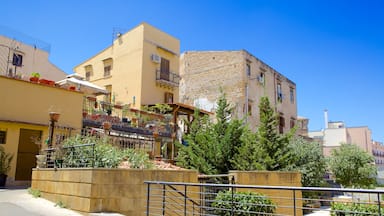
(16, 201)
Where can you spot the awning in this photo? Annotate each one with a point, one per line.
(82, 85)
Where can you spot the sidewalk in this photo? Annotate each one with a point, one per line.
(18, 202)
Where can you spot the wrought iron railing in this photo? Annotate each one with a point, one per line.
(168, 78)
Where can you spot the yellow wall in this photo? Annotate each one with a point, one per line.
(104, 190)
(133, 73)
(27, 105)
(280, 197)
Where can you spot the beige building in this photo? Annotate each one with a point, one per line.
(243, 78)
(139, 68)
(336, 133)
(18, 59)
(24, 118)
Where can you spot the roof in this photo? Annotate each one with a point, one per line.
(82, 85)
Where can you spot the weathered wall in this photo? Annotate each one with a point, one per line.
(203, 73)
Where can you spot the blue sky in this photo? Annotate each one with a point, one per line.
(332, 50)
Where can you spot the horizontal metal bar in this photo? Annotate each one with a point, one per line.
(350, 190)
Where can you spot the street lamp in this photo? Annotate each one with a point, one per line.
(53, 117)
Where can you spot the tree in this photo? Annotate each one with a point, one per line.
(212, 146)
(309, 160)
(275, 151)
(200, 150)
(352, 167)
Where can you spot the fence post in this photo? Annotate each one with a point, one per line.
(378, 202)
(232, 194)
(294, 202)
(163, 200)
(148, 193)
(185, 200)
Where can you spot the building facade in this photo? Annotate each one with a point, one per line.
(139, 68)
(18, 59)
(243, 78)
(336, 133)
(24, 119)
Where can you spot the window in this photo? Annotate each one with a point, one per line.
(164, 69)
(17, 60)
(88, 72)
(261, 78)
(279, 93)
(281, 124)
(3, 136)
(292, 123)
(168, 97)
(248, 69)
(249, 109)
(108, 97)
(107, 66)
(292, 95)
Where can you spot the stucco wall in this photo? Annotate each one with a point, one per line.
(27, 105)
(103, 190)
(280, 197)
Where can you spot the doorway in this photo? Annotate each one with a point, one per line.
(27, 150)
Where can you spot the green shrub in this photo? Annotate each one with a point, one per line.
(243, 204)
(341, 209)
(102, 154)
(34, 192)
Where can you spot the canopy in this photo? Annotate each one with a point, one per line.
(82, 85)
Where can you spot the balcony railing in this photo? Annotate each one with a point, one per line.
(167, 78)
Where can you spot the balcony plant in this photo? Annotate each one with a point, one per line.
(5, 165)
(34, 77)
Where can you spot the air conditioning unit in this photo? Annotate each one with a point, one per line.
(156, 58)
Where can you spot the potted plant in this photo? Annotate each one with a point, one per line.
(34, 77)
(5, 165)
(59, 155)
(41, 158)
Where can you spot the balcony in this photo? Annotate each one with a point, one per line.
(167, 79)
(122, 119)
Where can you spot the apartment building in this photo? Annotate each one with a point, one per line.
(336, 133)
(243, 78)
(139, 68)
(20, 60)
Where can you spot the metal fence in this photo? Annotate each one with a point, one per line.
(176, 198)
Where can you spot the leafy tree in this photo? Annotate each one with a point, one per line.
(275, 151)
(309, 160)
(352, 167)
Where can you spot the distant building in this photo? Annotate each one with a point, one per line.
(243, 78)
(18, 59)
(336, 133)
(141, 67)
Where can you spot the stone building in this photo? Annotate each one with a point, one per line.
(243, 78)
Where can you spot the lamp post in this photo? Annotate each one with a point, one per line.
(53, 117)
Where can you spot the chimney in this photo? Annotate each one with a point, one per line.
(326, 118)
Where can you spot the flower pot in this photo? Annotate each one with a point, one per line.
(34, 79)
(3, 179)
